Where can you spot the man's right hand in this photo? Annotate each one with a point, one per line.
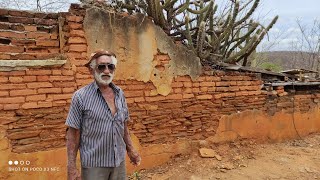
(73, 174)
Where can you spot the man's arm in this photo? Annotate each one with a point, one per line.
(132, 153)
(73, 140)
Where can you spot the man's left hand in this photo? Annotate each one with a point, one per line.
(134, 157)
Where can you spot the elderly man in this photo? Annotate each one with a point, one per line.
(97, 125)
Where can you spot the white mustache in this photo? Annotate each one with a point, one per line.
(98, 77)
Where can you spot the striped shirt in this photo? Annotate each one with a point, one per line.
(101, 134)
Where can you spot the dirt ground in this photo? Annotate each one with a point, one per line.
(296, 159)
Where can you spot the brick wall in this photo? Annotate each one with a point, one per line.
(28, 35)
(34, 102)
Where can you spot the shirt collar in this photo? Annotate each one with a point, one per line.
(113, 86)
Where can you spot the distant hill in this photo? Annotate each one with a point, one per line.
(286, 59)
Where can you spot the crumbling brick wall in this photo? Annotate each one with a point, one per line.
(34, 102)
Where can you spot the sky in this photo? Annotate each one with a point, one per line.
(289, 11)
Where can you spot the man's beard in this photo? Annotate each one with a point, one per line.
(99, 79)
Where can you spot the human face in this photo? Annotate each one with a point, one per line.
(104, 70)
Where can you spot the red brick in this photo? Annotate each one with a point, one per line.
(4, 79)
(29, 78)
(133, 93)
(29, 105)
(54, 50)
(38, 72)
(74, 25)
(39, 85)
(222, 89)
(42, 78)
(77, 33)
(4, 26)
(76, 55)
(30, 28)
(68, 90)
(15, 13)
(12, 100)
(11, 106)
(4, 56)
(67, 72)
(242, 93)
(187, 96)
(79, 62)
(243, 83)
(17, 27)
(59, 103)
(67, 84)
(254, 92)
(38, 35)
(13, 86)
(61, 78)
(223, 83)
(174, 96)
(41, 97)
(228, 94)
(136, 87)
(49, 90)
(78, 47)
(12, 34)
(187, 84)
(44, 104)
(77, 40)
(177, 90)
(40, 15)
(16, 79)
(56, 72)
(22, 92)
(196, 90)
(201, 78)
(47, 43)
(203, 89)
(207, 84)
(211, 89)
(4, 12)
(204, 96)
(130, 100)
(213, 78)
(139, 99)
(62, 96)
(23, 42)
(54, 36)
(11, 49)
(75, 18)
(22, 56)
(23, 20)
(13, 73)
(217, 96)
(156, 98)
(187, 90)
(4, 93)
(195, 84)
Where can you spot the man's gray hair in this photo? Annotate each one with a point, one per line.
(93, 63)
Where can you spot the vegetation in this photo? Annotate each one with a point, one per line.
(230, 36)
(271, 67)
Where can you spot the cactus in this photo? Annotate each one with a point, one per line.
(228, 37)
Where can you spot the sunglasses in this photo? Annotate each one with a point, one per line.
(103, 67)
